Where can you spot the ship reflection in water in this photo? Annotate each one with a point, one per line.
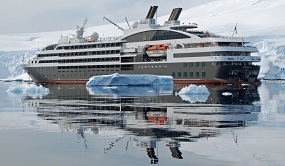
(149, 115)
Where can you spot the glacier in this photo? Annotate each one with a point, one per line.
(257, 21)
(272, 52)
(10, 63)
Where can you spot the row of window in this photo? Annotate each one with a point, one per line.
(197, 65)
(88, 67)
(85, 71)
(81, 60)
(87, 46)
(189, 75)
(152, 35)
(168, 35)
(141, 67)
(109, 52)
(124, 67)
(234, 63)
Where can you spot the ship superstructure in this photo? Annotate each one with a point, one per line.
(172, 49)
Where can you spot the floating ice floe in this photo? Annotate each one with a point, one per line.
(194, 93)
(226, 93)
(194, 89)
(31, 90)
(117, 79)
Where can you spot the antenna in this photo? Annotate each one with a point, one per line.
(80, 30)
(128, 22)
(61, 31)
(23, 58)
(113, 23)
(235, 30)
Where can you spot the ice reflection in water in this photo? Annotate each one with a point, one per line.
(130, 91)
(147, 115)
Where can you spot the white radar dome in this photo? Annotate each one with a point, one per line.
(94, 36)
(135, 24)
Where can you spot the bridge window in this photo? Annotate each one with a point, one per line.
(203, 74)
(155, 35)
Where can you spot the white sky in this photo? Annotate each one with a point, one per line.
(26, 16)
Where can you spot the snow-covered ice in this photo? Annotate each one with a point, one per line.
(194, 89)
(32, 90)
(194, 93)
(272, 52)
(226, 93)
(117, 79)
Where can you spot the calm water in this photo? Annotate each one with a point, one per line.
(143, 126)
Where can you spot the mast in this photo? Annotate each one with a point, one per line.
(128, 23)
(80, 30)
(113, 23)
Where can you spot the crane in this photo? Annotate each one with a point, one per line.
(113, 23)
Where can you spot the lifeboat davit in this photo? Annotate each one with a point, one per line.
(157, 50)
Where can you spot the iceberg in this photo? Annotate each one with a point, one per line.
(194, 93)
(194, 89)
(272, 52)
(31, 90)
(227, 94)
(195, 98)
(117, 79)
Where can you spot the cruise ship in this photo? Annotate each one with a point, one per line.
(172, 49)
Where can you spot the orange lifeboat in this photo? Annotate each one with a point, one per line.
(90, 41)
(157, 50)
(157, 120)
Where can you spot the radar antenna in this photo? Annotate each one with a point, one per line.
(128, 23)
(80, 30)
(113, 23)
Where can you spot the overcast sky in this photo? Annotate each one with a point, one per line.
(27, 16)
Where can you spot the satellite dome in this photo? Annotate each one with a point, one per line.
(94, 36)
(135, 24)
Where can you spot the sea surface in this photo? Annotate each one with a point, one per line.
(74, 125)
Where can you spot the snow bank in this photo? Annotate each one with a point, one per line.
(117, 79)
(31, 90)
(130, 91)
(254, 17)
